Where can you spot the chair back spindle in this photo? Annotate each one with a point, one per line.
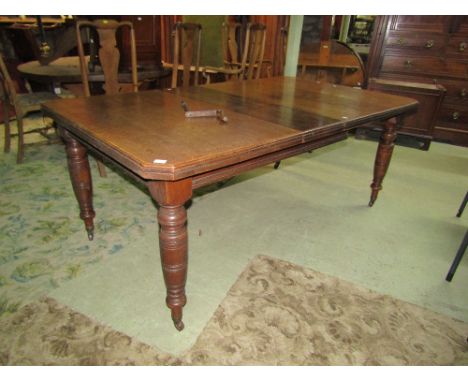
(108, 53)
(9, 89)
(231, 49)
(256, 50)
(109, 59)
(187, 44)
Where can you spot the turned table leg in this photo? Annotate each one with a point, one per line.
(383, 157)
(80, 176)
(173, 241)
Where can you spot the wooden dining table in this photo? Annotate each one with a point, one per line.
(66, 70)
(177, 141)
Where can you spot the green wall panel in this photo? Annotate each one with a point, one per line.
(211, 53)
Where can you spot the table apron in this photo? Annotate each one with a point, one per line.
(227, 172)
(101, 155)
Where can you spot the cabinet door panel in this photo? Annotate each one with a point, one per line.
(147, 39)
(439, 24)
(459, 25)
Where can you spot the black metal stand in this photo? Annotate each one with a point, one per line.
(464, 244)
(463, 205)
(458, 257)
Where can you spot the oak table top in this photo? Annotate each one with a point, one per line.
(264, 115)
(148, 135)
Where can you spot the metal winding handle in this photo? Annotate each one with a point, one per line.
(218, 113)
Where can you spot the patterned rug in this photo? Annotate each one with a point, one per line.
(41, 236)
(42, 239)
(276, 313)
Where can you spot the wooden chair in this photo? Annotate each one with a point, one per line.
(108, 59)
(186, 58)
(283, 45)
(23, 104)
(462, 249)
(108, 54)
(234, 54)
(250, 54)
(256, 51)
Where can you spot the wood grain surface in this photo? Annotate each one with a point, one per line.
(149, 133)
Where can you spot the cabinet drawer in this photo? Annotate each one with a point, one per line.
(452, 136)
(425, 44)
(425, 66)
(457, 91)
(453, 116)
(457, 47)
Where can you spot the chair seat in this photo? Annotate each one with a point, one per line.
(168, 65)
(22, 104)
(223, 70)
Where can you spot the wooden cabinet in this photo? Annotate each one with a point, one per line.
(430, 97)
(431, 50)
(147, 39)
(424, 24)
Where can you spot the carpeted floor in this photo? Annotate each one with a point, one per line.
(276, 313)
(105, 301)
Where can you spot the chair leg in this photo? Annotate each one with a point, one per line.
(463, 205)
(101, 169)
(277, 163)
(458, 257)
(20, 156)
(6, 121)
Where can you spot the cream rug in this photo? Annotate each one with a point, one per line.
(277, 313)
